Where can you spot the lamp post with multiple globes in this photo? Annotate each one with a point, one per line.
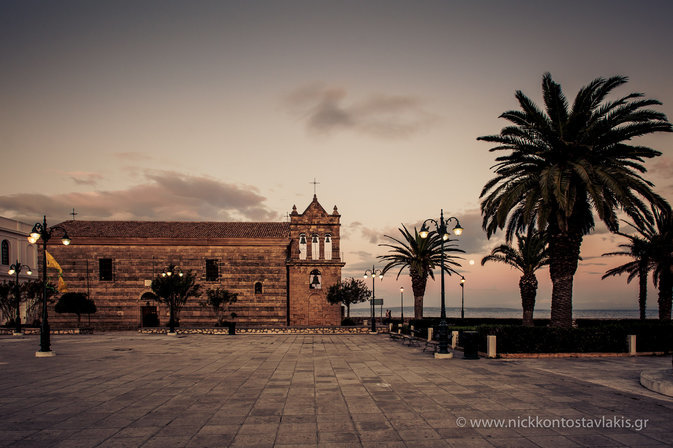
(374, 272)
(402, 304)
(42, 232)
(441, 227)
(16, 268)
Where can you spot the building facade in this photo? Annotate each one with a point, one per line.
(280, 270)
(14, 247)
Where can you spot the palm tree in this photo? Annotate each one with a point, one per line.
(663, 260)
(174, 288)
(652, 250)
(421, 256)
(564, 165)
(638, 248)
(529, 256)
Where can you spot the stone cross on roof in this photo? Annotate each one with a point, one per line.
(314, 185)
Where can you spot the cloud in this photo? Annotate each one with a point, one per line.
(362, 254)
(132, 156)
(85, 177)
(326, 110)
(164, 195)
(473, 239)
(663, 167)
(375, 236)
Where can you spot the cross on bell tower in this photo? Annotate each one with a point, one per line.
(315, 183)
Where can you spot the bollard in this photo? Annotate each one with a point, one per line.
(490, 346)
(430, 333)
(631, 344)
(454, 339)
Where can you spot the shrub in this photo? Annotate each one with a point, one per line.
(75, 303)
(609, 337)
(347, 322)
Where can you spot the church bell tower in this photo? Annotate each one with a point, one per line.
(313, 265)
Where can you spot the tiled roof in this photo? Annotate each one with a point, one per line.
(176, 229)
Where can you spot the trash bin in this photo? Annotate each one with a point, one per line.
(470, 342)
(232, 327)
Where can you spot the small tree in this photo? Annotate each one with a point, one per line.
(6, 301)
(174, 290)
(219, 300)
(348, 292)
(32, 291)
(75, 303)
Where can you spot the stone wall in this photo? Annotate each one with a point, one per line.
(310, 306)
(285, 330)
(34, 331)
(119, 301)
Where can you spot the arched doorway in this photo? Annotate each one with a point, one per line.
(148, 310)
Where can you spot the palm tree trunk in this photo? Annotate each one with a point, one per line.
(528, 288)
(418, 283)
(348, 310)
(665, 293)
(564, 252)
(642, 293)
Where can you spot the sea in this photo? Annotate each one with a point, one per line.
(504, 313)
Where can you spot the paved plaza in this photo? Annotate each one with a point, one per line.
(132, 390)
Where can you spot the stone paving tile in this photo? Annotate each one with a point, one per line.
(210, 440)
(509, 442)
(594, 440)
(324, 391)
(468, 442)
(122, 442)
(338, 436)
(553, 441)
(254, 440)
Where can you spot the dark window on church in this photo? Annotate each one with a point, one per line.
(315, 280)
(258, 288)
(5, 252)
(212, 271)
(105, 269)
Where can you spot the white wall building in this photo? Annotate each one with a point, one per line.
(14, 247)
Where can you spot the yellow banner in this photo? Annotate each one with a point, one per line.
(52, 263)
(61, 287)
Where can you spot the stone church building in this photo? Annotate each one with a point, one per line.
(280, 270)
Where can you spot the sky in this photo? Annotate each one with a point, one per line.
(227, 110)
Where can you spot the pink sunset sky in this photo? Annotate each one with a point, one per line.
(227, 110)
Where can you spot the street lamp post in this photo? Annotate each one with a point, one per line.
(402, 304)
(441, 227)
(462, 297)
(374, 272)
(16, 268)
(41, 231)
(169, 272)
